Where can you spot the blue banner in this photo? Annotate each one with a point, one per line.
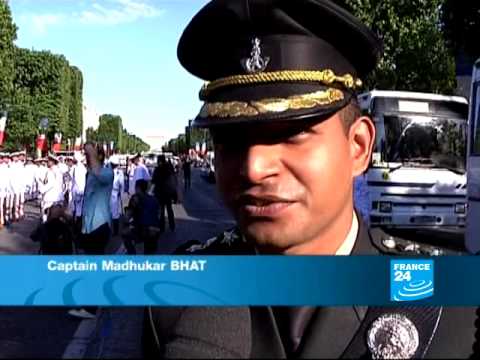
(238, 280)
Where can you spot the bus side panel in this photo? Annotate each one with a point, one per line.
(472, 234)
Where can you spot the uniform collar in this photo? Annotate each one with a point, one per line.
(347, 246)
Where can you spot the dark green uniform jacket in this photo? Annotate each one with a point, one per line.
(324, 332)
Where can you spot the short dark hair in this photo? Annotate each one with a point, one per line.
(349, 114)
(101, 153)
(142, 185)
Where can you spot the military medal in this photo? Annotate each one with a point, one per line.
(392, 336)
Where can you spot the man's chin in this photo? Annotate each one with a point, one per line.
(270, 235)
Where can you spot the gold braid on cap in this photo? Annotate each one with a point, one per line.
(234, 109)
(326, 77)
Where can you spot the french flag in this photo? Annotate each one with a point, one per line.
(3, 123)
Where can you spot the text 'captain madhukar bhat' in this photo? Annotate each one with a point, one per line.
(280, 103)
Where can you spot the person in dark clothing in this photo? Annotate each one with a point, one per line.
(187, 173)
(143, 220)
(165, 190)
(56, 234)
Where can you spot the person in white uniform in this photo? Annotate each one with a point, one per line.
(130, 174)
(24, 177)
(52, 187)
(67, 182)
(9, 190)
(117, 191)
(141, 170)
(17, 185)
(40, 174)
(62, 166)
(79, 175)
(4, 184)
(30, 188)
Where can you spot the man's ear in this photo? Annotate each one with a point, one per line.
(361, 139)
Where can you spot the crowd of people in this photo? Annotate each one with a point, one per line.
(50, 180)
(85, 199)
(53, 181)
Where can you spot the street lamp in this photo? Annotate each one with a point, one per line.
(44, 123)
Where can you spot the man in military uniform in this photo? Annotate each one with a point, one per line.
(51, 188)
(4, 185)
(17, 184)
(9, 196)
(116, 205)
(280, 104)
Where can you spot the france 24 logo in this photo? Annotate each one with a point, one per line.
(411, 280)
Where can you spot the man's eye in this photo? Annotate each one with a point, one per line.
(299, 137)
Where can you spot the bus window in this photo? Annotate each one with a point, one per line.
(425, 141)
(476, 121)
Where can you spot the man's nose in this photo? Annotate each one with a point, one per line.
(260, 162)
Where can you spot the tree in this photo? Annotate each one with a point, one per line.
(461, 26)
(44, 86)
(75, 124)
(91, 135)
(8, 34)
(110, 129)
(36, 84)
(416, 57)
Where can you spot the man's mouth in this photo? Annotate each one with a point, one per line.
(263, 206)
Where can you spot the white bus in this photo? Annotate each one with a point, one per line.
(417, 177)
(472, 233)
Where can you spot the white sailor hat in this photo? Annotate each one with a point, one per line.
(52, 157)
(78, 156)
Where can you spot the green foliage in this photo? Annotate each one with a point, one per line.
(8, 34)
(75, 123)
(43, 87)
(461, 26)
(416, 57)
(132, 144)
(180, 145)
(110, 129)
(91, 135)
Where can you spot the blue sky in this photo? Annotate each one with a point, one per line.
(126, 50)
